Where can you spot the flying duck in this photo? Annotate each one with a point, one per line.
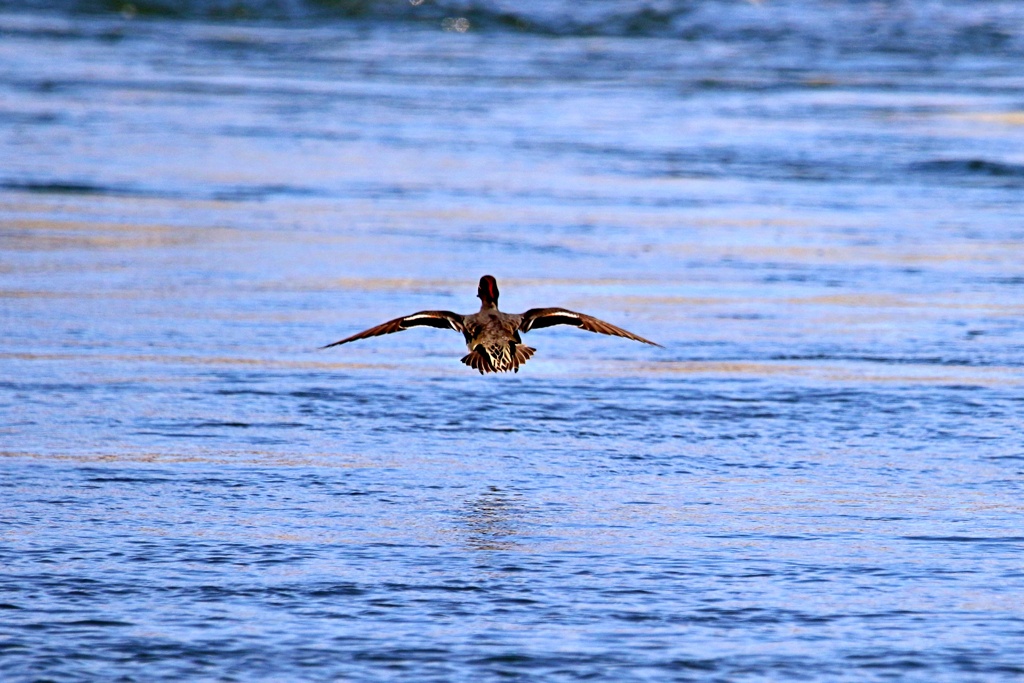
(492, 336)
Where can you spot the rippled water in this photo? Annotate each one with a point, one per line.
(816, 208)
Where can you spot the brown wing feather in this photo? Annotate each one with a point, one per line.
(443, 319)
(536, 318)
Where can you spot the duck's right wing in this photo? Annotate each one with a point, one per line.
(536, 318)
(445, 320)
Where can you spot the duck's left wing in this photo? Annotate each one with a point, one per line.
(445, 320)
(536, 318)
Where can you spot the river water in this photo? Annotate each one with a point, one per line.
(817, 208)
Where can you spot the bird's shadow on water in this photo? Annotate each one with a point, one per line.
(492, 520)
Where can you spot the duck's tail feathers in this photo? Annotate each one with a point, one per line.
(498, 359)
(522, 354)
(478, 360)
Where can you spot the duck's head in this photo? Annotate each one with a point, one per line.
(488, 291)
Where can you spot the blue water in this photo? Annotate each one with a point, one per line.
(815, 207)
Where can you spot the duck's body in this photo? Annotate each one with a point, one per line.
(494, 342)
(491, 335)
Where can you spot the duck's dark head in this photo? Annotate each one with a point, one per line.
(488, 291)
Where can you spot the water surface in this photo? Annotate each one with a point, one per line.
(815, 208)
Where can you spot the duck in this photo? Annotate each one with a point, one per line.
(492, 336)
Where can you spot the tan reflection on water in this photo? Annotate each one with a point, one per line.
(845, 372)
(322, 248)
(241, 456)
(49, 235)
(195, 360)
(1007, 118)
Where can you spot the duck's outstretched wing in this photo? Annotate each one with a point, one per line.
(536, 318)
(445, 320)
